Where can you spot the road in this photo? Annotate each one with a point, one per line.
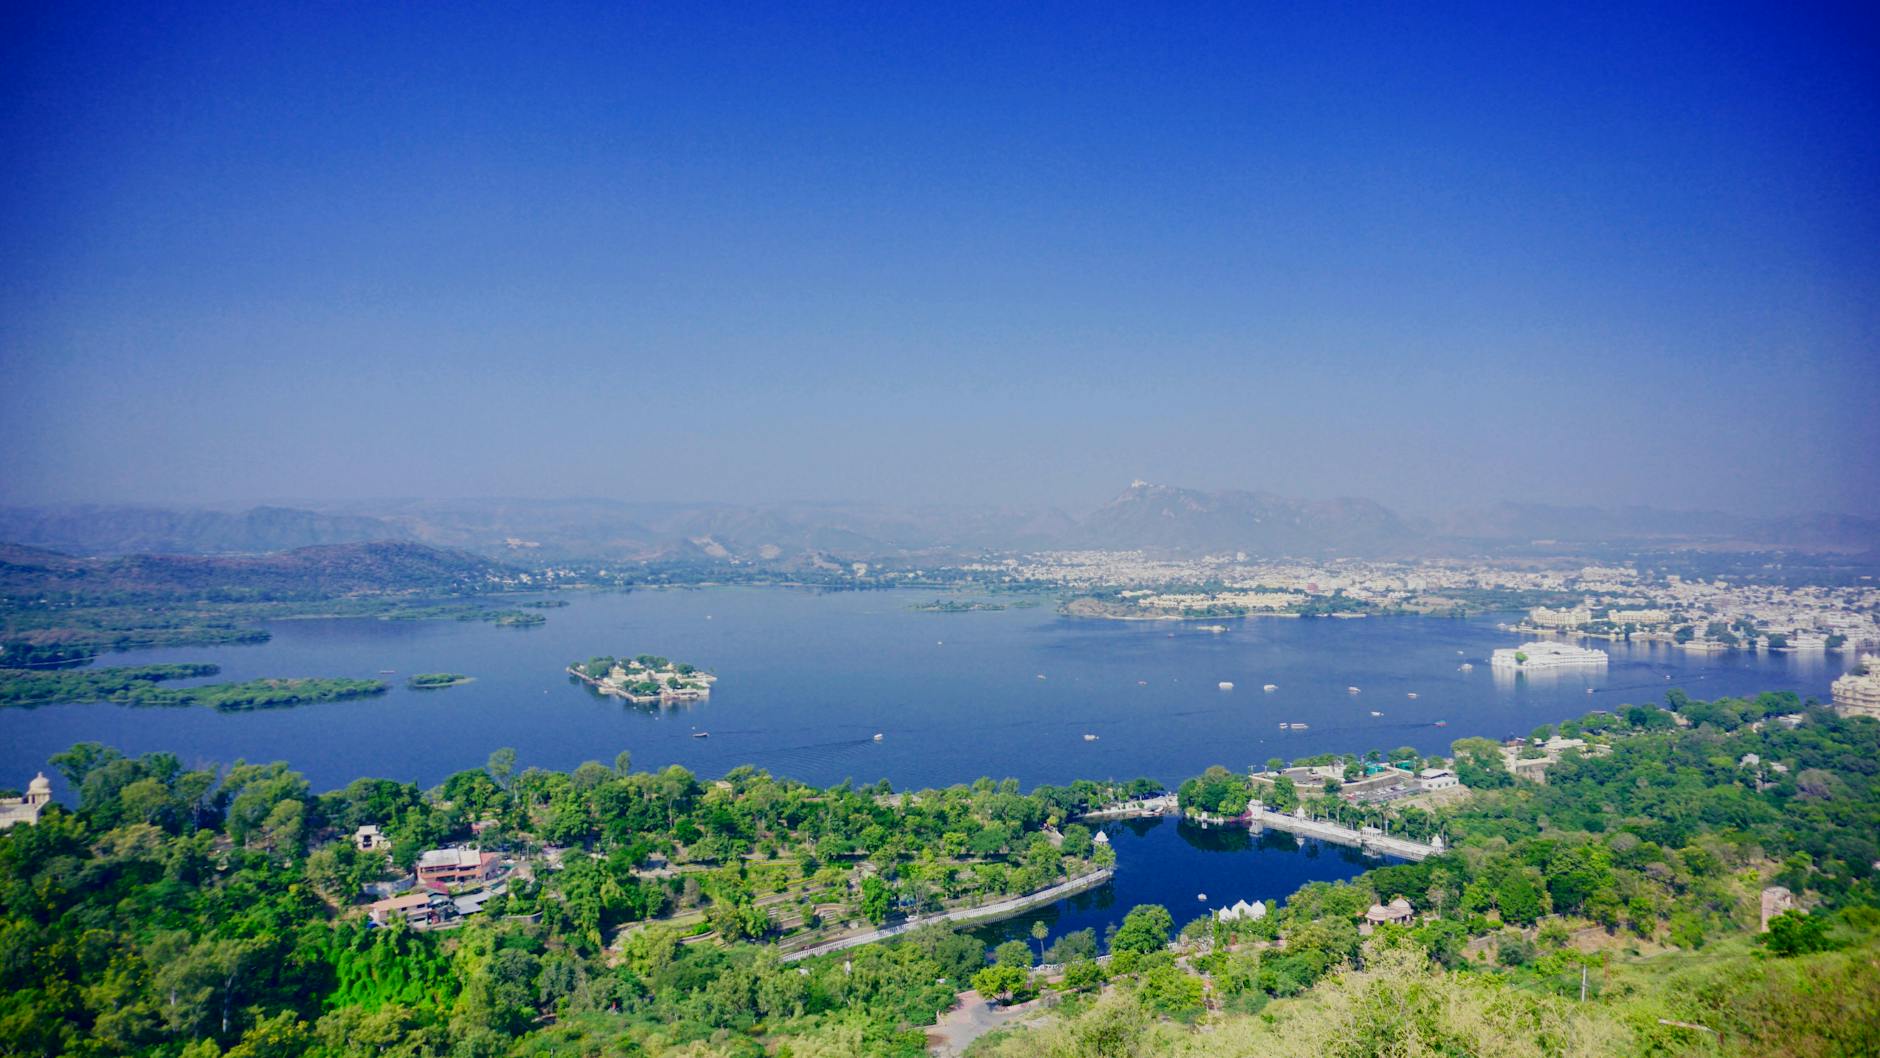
(998, 909)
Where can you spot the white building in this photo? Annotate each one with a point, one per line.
(1541, 654)
(1639, 617)
(1242, 911)
(1542, 617)
(16, 810)
(1437, 779)
(1858, 692)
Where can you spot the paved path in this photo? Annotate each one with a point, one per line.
(1000, 909)
(1395, 846)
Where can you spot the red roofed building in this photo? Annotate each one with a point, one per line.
(443, 868)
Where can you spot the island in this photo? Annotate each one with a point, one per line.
(437, 681)
(142, 685)
(645, 678)
(957, 606)
(1541, 654)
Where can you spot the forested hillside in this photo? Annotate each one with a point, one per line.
(1615, 910)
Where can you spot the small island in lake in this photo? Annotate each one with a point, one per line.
(956, 606)
(645, 678)
(437, 681)
(142, 685)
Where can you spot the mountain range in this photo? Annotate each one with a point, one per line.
(1144, 516)
(321, 571)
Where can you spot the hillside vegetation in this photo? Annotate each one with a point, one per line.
(1613, 911)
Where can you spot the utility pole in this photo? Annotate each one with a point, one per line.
(1582, 982)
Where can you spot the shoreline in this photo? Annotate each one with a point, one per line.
(993, 912)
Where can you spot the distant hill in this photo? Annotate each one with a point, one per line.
(536, 530)
(1259, 523)
(381, 567)
(106, 530)
(787, 535)
(1510, 523)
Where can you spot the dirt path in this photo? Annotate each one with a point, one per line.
(973, 1018)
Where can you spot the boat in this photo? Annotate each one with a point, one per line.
(1089, 737)
(1442, 723)
(701, 734)
(1297, 726)
(1465, 667)
(1270, 688)
(387, 672)
(1376, 713)
(1201, 896)
(1041, 675)
(877, 736)
(1284, 727)
(1216, 629)
(1351, 690)
(1413, 694)
(1226, 685)
(1142, 683)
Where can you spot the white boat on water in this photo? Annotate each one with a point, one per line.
(1413, 694)
(1090, 738)
(1298, 726)
(1376, 713)
(877, 736)
(1226, 685)
(1270, 688)
(1351, 690)
(1466, 667)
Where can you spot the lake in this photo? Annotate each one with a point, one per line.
(806, 679)
(1174, 863)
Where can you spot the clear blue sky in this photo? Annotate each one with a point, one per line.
(1433, 254)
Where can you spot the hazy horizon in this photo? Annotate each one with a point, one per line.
(979, 256)
(1076, 508)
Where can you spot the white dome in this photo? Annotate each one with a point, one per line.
(40, 784)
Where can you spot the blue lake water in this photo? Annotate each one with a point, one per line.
(1175, 864)
(806, 680)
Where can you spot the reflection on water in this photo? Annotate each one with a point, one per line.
(807, 680)
(1172, 863)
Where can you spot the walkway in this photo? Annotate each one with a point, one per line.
(1148, 807)
(998, 909)
(1342, 835)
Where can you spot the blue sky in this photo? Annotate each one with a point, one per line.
(1437, 255)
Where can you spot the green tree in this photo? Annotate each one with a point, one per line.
(1145, 930)
(1795, 933)
(876, 900)
(999, 981)
(1519, 899)
(1012, 953)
